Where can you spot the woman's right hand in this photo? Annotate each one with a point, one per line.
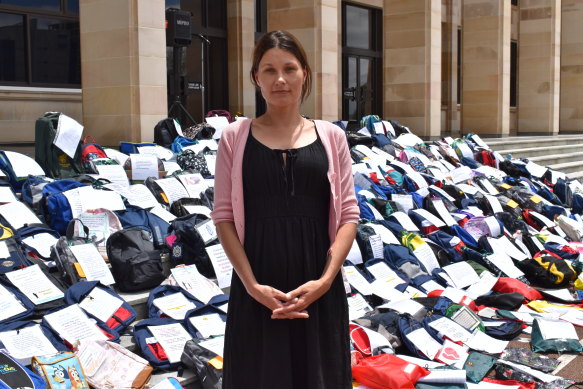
(273, 299)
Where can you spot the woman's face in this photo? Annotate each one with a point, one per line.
(280, 77)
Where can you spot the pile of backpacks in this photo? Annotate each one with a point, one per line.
(459, 252)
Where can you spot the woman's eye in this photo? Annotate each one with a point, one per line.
(291, 69)
(269, 70)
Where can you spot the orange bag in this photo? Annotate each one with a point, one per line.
(387, 371)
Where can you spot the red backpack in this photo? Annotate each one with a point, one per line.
(89, 152)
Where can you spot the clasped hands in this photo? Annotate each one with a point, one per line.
(291, 305)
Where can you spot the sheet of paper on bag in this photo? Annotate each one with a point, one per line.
(221, 264)
(404, 306)
(504, 263)
(437, 222)
(426, 256)
(357, 280)
(114, 173)
(494, 203)
(100, 304)
(23, 165)
(447, 376)
(357, 306)
(219, 123)
(173, 189)
(92, 262)
(162, 214)
(504, 246)
(482, 287)
(107, 199)
(405, 221)
(172, 338)
(42, 243)
(34, 284)
(194, 184)
(174, 305)
(354, 255)
(207, 231)
(6, 195)
(27, 342)
(376, 245)
(209, 325)
(386, 290)
(144, 166)
(543, 377)
(189, 279)
(556, 329)
(158, 151)
(73, 325)
(216, 345)
(462, 274)
(424, 342)
(451, 329)
(140, 195)
(9, 304)
(164, 384)
(17, 215)
(482, 342)
(382, 271)
(68, 135)
(404, 202)
(203, 210)
(386, 235)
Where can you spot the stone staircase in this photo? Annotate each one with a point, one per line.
(563, 153)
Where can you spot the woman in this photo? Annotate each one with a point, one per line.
(286, 215)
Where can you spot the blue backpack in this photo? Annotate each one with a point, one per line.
(57, 211)
(18, 295)
(165, 290)
(180, 142)
(119, 321)
(408, 324)
(134, 216)
(30, 231)
(17, 259)
(201, 311)
(153, 352)
(20, 324)
(15, 375)
(132, 148)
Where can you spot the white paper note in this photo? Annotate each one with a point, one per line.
(444, 213)
(100, 304)
(194, 184)
(158, 151)
(215, 345)
(162, 214)
(451, 329)
(173, 189)
(6, 195)
(174, 305)
(424, 254)
(172, 338)
(42, 243)
(144, 166)
(209, 325)
(462, 274)
(424, 342)
(556, 329)
(9, 304)
(405, 221)
(114, 173)
(189, 279)
(494, 204)
(386, 235)
(202, 209)
(219, 123)
(354, 255)
(23, 165)
(437, 222)
(482, 342)
(357, 280)
(95, 198)
(482, 287)
(221, 264)
(504, 263)
(376, 244)
(27, 342)
(68, 135)
(382, 271)
(34, 284)
(140, 195)
(92, 262)
(357, 306)
(18, 215)
(73, 325)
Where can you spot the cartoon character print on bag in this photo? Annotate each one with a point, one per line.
(76, 381)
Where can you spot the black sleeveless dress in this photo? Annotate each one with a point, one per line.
(286, 241)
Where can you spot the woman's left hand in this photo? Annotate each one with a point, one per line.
(301, 298)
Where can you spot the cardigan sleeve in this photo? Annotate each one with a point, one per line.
(350, 213)
(223, 206)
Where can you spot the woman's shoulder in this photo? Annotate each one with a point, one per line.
(231, 131)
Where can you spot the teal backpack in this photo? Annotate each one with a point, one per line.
(53, 160)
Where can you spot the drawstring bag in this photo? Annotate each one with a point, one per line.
(387, 371)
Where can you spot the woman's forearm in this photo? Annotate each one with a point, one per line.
(338, 252)
(236, 254)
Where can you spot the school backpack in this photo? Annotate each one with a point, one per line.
(167, 290)
(90, 151)
(134, 216)
(149, 347)
(135, 263)
(56, 207)
(120, 319)
(189, 245)
(207, 365)
(15, 375)
(54, 161)
(165, 131)
(547, 270)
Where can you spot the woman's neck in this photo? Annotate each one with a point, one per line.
(283, 118)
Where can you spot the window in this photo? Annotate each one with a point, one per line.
(39, 43)
(513, 71)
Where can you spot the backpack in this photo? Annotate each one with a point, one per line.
(90, 151)
(166, 290)
(15, 375)
(180, 142)
(16, 259)
(55, 162)
(121, 318)
(19, 296)
(135, 263)
(207, 365)
(547, 270)
(149, 347)
(69, 268)
(132, 148)
(134, 216)
(57, 210)
(32, 192)
(165, 131)
(189, 246)
(219, 112)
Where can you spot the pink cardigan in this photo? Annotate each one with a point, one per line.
(228, 201)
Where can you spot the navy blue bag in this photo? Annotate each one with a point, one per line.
(57, 211)
(134, 216)
(8, 170)
(17, 259)
(444, 240)
(119, 321)
(165, 290)
(201, 311)
(402, 276)
(18, 295)
(400, 257)
(19, 324)
(153, 351)
(408, 324)
(26, 232)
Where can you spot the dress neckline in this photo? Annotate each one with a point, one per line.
(284, 150)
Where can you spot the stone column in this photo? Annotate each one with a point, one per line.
(571, 115)
(539, 56)
(486, 67)
(315, 24)
(412, 65)
(241, 31)
(123, 66)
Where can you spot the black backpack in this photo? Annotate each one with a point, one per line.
(165, 132)
(135, 263)
(189, 246)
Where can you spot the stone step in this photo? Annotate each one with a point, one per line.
(545, 160)
(532, 141)
(568, 167)
(531, 152)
